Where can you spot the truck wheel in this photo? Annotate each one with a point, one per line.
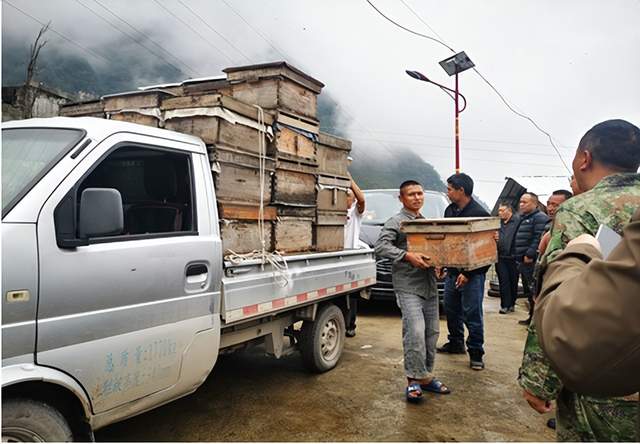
(322, 340)
(25, 420)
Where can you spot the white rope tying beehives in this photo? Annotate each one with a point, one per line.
(275, 259)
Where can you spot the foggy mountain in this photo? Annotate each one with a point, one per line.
(75, 77)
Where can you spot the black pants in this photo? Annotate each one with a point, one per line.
(353, 311)
(526, 272)
(507, 270)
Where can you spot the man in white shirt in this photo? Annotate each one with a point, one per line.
(355, 210)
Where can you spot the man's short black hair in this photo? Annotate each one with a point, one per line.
(566, 193)
(615, 144)
(506, 204)
(461, 181)
(408, 183)
(535, 197)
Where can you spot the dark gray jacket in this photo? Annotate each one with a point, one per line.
(507, 236)
(392, 244)
(529, 233)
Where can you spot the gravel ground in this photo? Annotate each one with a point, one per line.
(250, 397)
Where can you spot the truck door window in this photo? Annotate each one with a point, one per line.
(155, 186)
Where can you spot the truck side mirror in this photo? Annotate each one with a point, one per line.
(101, 213)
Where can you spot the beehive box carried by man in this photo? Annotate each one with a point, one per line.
(466, 242)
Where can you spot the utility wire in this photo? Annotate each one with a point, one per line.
(216, 32)
(410, 30)
(128, 35)
(194, 31)
(479, 74)
(62, 36)
(145, 36)
(284, 57)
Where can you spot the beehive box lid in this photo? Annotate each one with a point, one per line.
(451, 225)
(274, 69)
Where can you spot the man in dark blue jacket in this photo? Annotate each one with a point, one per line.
(464, 289)
(531, 229)
(507, 267)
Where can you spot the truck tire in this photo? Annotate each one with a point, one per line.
(26, 420)
(322, 340)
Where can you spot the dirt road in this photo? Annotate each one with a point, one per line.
(250, 397)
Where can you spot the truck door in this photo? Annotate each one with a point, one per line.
(119, 312)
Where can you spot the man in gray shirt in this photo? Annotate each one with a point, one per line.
(414, 282)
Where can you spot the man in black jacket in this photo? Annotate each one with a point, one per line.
(506, 267)
(532, 225)
(464, 289)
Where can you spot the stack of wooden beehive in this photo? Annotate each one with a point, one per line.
(303, 171)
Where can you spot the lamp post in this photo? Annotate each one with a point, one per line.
(452, 65)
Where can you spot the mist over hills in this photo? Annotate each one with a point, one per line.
(75, 77)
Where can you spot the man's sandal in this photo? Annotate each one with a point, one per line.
(435, 386)
(413, 392)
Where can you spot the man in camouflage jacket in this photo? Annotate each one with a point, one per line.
(605, 164)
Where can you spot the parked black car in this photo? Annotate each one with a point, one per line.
(381, 205)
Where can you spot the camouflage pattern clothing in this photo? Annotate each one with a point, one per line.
(611, 202)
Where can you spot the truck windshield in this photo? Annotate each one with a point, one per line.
(27, 155)
(382, 204)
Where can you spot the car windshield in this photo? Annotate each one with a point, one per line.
(27, 154)
(382, 204)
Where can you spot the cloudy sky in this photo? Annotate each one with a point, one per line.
(566, 64)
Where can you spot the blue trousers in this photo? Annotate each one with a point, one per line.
(463, 307)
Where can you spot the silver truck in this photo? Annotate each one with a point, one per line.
(116, 295)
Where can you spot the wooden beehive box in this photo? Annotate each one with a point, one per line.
(243, 236)
(328, 237)
(92, 108)
(294, 183)
(291, 144)
(188, 115)
(332, 153)
(141, 107)
(332, 193)
(293, 234)
(237, 175)
(465, 242)
(275, 85)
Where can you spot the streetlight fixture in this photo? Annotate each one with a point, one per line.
(452, 65)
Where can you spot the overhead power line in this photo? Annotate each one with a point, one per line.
(168, 11)
(284, 57)
(62, 36)
(477, 72)
(147, 38)
(127, 35)
(214, 30)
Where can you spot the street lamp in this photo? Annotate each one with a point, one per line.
(452, 65)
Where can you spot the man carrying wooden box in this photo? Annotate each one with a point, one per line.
(414, 282)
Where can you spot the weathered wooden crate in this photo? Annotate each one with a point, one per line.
(291, 144)
(332, 153)
(245, 211)
(132, 117)
(213, 100)
(275, 85)
(134, 100)
(465, 242)
(331, 218)
(293, 234)
(215, 129)
(92, 108)
(243, 236)
(294, 183)
(328, 237)
(295, 211)
(237, 175)
(332, 193)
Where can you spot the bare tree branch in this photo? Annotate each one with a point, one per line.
(34, 53)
